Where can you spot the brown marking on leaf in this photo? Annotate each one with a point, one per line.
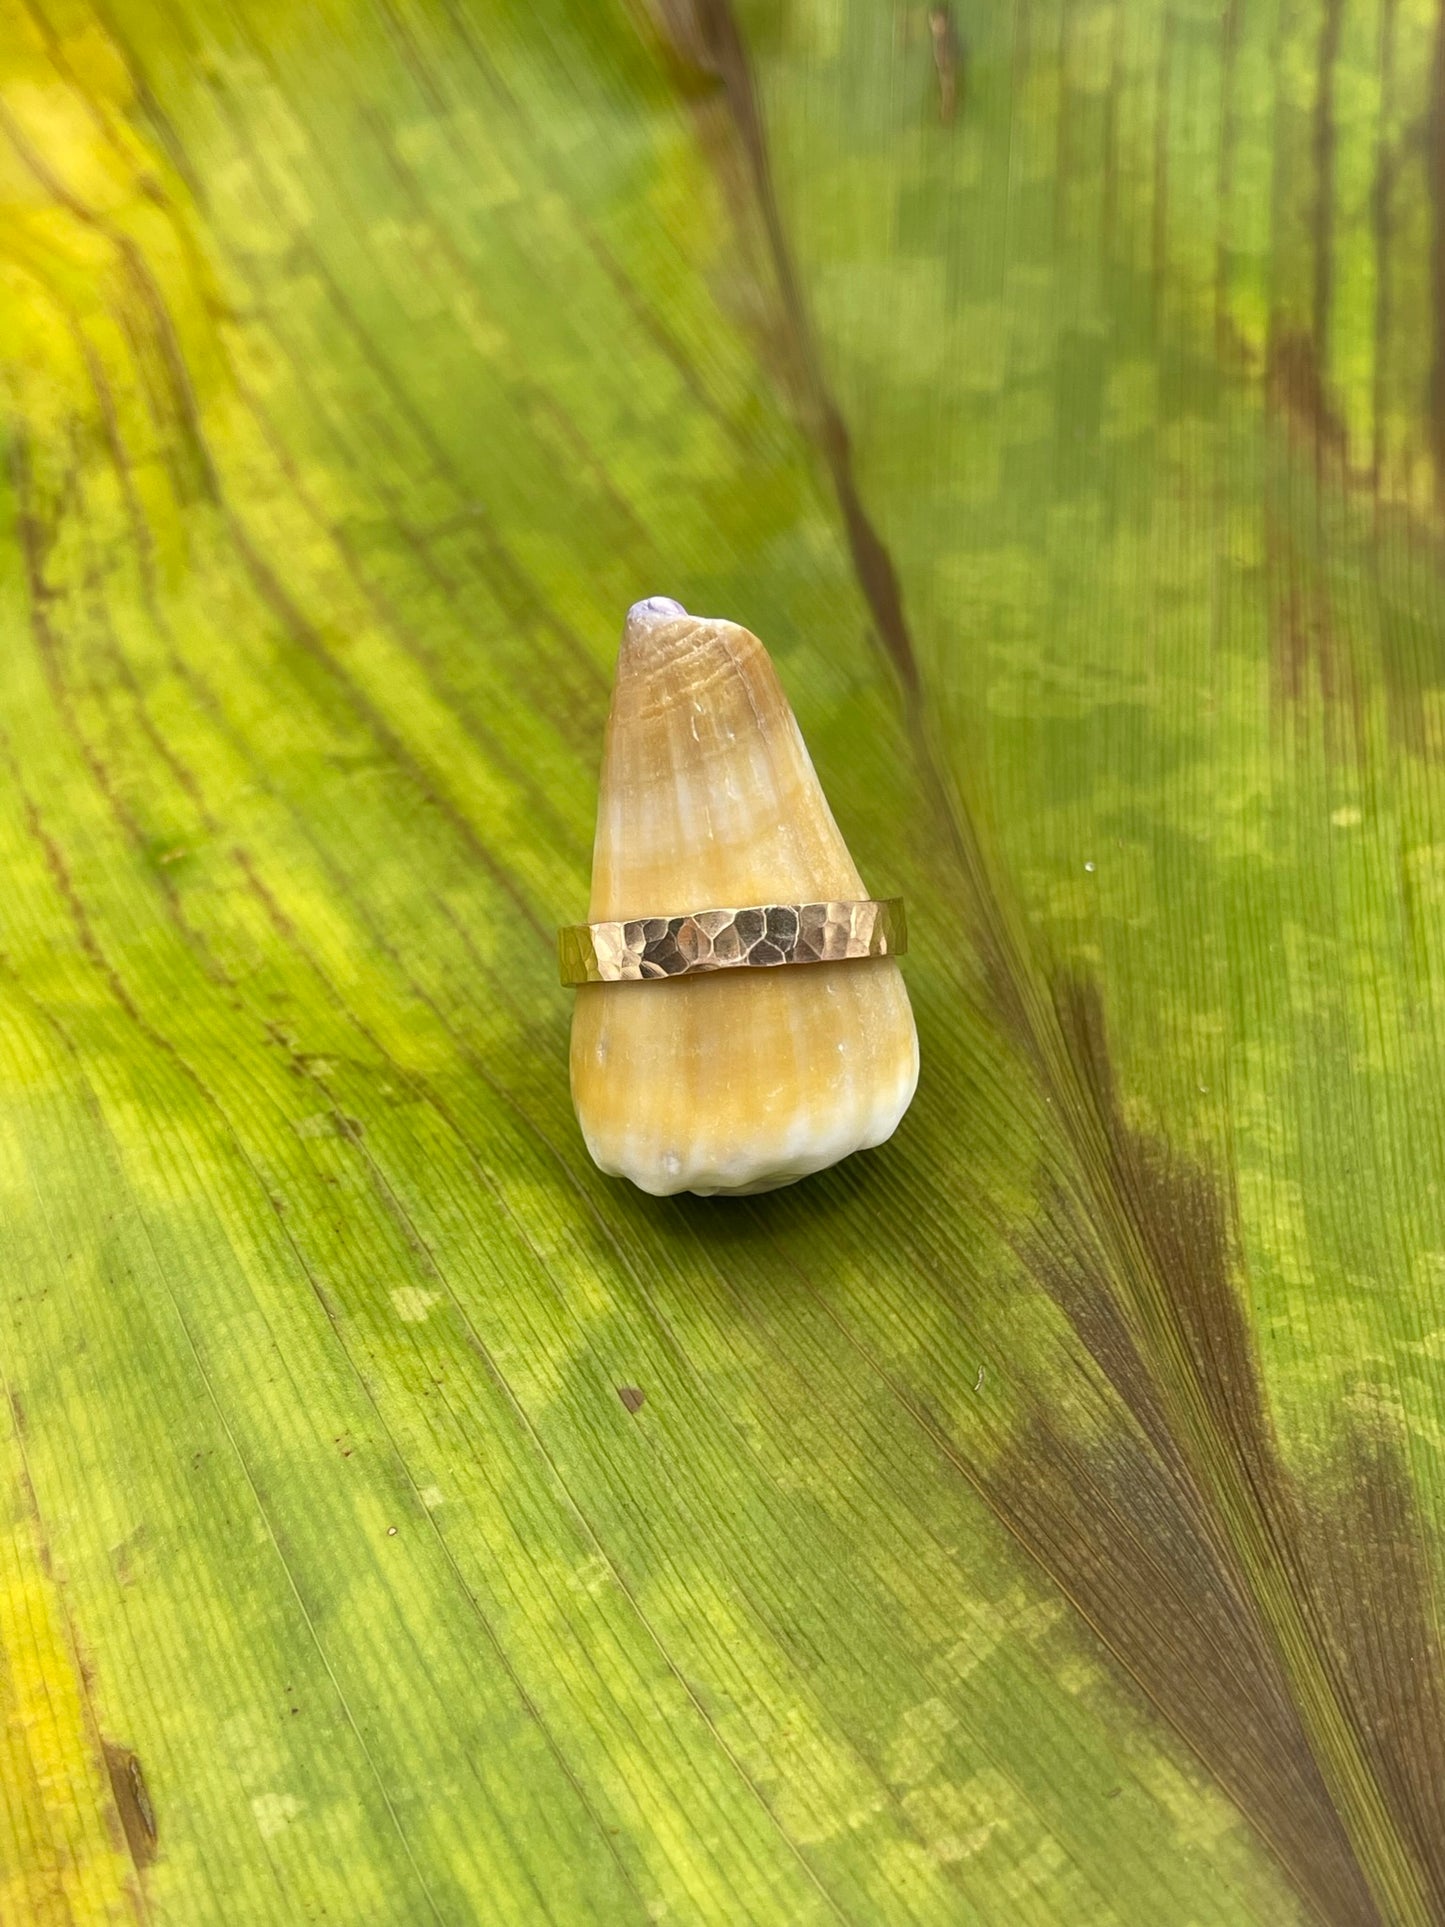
(133, 1802)
(1132, 1533)
(123, 1555)
(710, 62)
(1296, 389)
(948, 61)
(1304, 637)
(1125, 1537)
(632, 1397)
(1372, 1576)
(1184, 1296)
(1288, 1637)
(118, 1818)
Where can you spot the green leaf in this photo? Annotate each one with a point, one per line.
(1037, 1520)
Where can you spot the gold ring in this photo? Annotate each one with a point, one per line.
(759, 936)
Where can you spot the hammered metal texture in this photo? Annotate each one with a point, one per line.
(757, 937)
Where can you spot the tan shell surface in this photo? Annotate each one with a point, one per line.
(742, 1080)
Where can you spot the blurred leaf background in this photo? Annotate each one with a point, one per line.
(1037, 1520)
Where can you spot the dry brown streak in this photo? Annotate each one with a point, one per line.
(712, 47)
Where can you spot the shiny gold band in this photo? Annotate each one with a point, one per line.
(762, 935)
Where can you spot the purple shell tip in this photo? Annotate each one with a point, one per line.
(655, 609)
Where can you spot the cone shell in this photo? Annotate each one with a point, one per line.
(737, 1080)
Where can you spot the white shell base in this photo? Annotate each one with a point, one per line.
(742, 1082)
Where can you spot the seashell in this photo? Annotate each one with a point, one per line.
(743, 1079)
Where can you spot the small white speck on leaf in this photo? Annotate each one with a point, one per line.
(1090, 868)
(1346, 817)
(431, 1497)
(978, 1382)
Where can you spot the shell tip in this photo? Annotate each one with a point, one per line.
(655, 608)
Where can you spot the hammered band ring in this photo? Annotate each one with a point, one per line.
(756, 937)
